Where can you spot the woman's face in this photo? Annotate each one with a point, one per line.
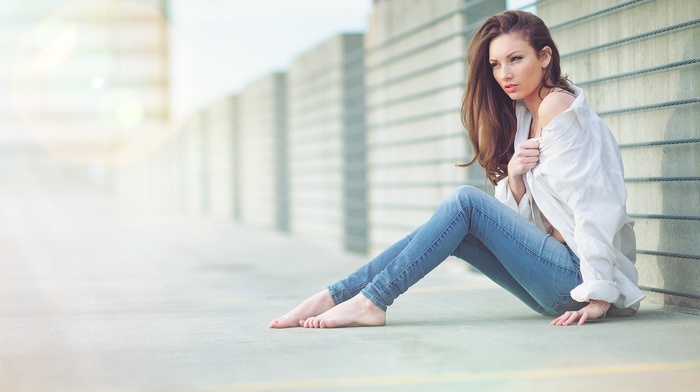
(516, 66)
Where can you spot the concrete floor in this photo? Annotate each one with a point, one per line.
(92, 299)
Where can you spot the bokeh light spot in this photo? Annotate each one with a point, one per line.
(121, 108)
(97, 82)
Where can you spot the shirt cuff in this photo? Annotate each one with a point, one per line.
(603, 290)
(505, 196)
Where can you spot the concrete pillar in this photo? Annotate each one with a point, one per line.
(263, 153)
(326, 144)
(222, 122)
(194, 158)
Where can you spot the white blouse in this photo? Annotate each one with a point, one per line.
(578, 185)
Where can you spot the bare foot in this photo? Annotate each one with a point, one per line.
(313, 306)
(357, 311)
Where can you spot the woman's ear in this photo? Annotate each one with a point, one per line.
(545, 56)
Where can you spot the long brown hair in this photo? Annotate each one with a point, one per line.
(488, 113)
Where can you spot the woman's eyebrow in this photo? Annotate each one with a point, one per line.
(509, 55)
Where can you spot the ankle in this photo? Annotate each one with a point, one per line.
(368, 305)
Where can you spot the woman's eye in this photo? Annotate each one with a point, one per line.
(494, 65)
(516, 58)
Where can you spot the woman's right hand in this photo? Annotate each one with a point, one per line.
(526, 156)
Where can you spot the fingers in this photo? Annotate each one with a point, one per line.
(530, 144)
(525, 157)
(528, 164)
(561, 319)
(522, 165)
(524, 152)
(570, 317)
(583, 319)
(573, 317)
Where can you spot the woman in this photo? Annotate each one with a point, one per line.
(557, 234)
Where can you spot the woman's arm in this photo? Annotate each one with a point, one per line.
(574, 165)
(526, 156)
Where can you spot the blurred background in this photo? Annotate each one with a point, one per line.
(336, 122)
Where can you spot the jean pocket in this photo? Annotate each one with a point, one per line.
(565, 303)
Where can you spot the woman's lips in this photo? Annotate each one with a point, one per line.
(510, 88)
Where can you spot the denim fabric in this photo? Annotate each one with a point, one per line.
(479, 229)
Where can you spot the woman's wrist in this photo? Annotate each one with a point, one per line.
(517, 186)
(602, 305)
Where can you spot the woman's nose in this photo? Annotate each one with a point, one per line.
(506, 74)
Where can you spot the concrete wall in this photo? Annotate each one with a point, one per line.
(354, 146)
(195, 181)
(415, 69)
(325, 118)
(193, 170)
(221, 123)
(263, 156)
(639, 63)
(166, 177)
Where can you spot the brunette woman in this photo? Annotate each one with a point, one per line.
(556, 235)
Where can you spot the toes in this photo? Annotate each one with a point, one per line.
(313, 322)
(276, 323)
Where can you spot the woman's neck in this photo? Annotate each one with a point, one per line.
(533, 101)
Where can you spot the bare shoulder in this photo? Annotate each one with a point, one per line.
(554, 104)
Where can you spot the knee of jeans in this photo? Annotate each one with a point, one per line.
(464, 194)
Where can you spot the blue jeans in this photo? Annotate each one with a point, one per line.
(479, 229)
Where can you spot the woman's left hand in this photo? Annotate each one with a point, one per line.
(590, 312)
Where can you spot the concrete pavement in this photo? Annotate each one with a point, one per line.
(93, 299)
